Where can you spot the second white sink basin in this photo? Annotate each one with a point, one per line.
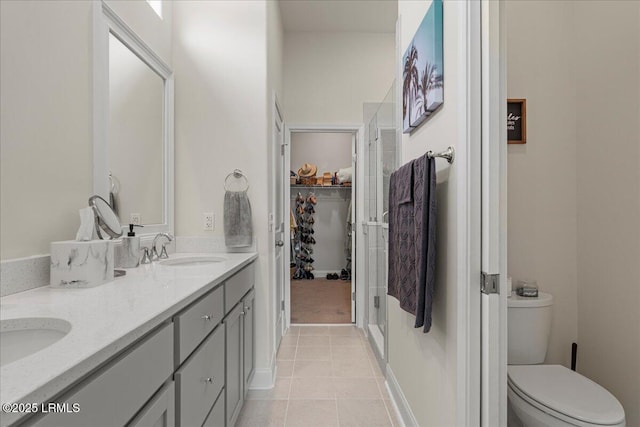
(192, 261)
(22, 337)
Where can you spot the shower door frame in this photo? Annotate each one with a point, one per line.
(357, 305)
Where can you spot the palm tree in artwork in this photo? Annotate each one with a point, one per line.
(427, 82)
(410, 81)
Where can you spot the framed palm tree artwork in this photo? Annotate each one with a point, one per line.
(423, 71)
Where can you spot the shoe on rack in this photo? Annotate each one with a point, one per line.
(299, 198)
(311, 220)
(344, 275)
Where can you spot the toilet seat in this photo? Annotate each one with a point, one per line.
(566, 395)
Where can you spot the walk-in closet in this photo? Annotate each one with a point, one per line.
(321, 193)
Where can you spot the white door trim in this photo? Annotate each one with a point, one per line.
(276, 117)
(494, 213)
(468, 163)
(358, 129)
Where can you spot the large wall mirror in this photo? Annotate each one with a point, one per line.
(133, 125)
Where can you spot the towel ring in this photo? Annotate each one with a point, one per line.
(237, 174)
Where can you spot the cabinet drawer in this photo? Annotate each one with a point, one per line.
(196, 322)
(216, 416)
(199, 380)
(237, 285)
(114, 395)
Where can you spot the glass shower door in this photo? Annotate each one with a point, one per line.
(381, 160)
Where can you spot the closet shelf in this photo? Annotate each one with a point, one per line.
(315, 187)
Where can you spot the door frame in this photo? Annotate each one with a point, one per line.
(357, 200)
(276, 116)
(494, 212)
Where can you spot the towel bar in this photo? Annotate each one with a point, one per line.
(448, 154)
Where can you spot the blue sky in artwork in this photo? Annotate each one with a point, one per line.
(428, 39)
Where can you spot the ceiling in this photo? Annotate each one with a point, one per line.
(376, 16)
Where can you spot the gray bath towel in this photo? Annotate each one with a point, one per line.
(412, 212)
(238, 231)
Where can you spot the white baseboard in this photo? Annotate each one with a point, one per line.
(264, 379)
(399, 401)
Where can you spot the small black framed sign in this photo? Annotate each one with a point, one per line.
(516, 121)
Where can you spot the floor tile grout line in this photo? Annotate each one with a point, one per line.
(286, 410)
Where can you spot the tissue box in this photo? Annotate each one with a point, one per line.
(81, 264)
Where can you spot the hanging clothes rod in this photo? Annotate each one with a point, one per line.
(448, 154)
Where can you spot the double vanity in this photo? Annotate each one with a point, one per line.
(171, 343)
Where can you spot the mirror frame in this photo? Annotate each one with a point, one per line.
(105, 22)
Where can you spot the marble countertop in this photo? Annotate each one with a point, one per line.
(104, 320)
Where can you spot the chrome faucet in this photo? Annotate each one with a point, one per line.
(163, 252)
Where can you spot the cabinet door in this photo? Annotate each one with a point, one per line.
(249, 358)
(160, 411)
(234, 379)
(216, 416)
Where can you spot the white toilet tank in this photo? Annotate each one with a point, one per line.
(529, 325)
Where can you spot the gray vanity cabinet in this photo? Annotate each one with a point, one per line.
(200, 380)
(248, 328)
(160, 411)
(216, 416)
(193, 370)
(115, 394)
(234, 357)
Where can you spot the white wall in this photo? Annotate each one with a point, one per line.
(328, 76)
(45, 125)
(220, 57)
(608, 158)
(425, 364)
(542, 223)
(328, 151)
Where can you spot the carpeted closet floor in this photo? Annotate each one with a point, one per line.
(320, 301)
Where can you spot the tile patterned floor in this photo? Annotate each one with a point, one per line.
(327, 376)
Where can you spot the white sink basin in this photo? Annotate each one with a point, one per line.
(192, 261)
(22, 337)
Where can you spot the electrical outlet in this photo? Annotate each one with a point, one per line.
(208, 221)
(134, 218)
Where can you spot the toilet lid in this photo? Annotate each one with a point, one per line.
(567, 392)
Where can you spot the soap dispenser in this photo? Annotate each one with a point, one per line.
(128, 254)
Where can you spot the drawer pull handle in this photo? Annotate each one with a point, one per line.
(242, 313)
(208, 380)
(206, 317)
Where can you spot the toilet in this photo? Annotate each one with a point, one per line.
(549, 395)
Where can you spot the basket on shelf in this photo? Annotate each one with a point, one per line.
(307, 180)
